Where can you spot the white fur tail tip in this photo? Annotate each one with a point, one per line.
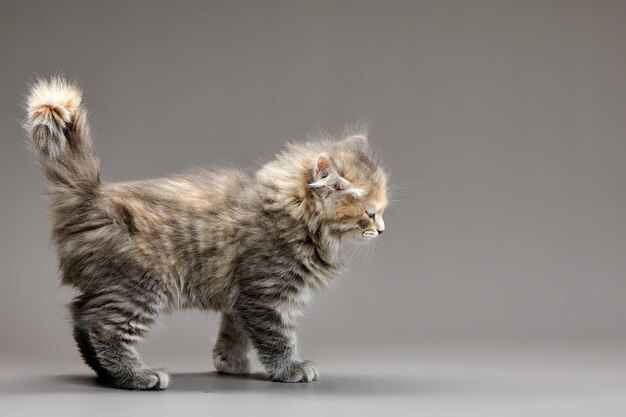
(54, 98)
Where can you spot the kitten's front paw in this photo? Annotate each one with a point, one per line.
(303, 371)
(149, 379)
(228, 365)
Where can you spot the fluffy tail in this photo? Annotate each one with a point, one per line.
(57, 126)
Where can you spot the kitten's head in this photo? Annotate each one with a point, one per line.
(336, 186)
(349, 188)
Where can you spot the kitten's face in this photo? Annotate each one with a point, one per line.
(352, 189)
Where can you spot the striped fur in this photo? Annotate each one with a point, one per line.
(253, 248)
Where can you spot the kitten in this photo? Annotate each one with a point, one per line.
(252, 248)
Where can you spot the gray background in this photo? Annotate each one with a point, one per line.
(503, 122)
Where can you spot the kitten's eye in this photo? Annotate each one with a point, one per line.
(370, 214)
(325, 174)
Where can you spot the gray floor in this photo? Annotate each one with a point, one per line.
(458, 381)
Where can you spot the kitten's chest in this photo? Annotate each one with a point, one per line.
(319, 267)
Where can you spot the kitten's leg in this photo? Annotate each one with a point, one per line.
(230, 353)
(274, 338)
(106, 328)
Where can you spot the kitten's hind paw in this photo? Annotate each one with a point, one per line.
(225, 364)
(145, 380)
(303, 371)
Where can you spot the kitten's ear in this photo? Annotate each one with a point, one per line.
(324, 177)
(321, 169)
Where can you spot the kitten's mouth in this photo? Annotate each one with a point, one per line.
(370, 234)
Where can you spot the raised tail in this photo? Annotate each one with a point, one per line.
(59, 133)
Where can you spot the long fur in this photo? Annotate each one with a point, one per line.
(253, 248)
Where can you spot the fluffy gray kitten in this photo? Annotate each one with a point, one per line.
(252, 248)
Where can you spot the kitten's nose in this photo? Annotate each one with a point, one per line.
(379, 224)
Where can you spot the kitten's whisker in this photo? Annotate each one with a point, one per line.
(361, 251)
(400, 186)
(350, 253)
(392, 203)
